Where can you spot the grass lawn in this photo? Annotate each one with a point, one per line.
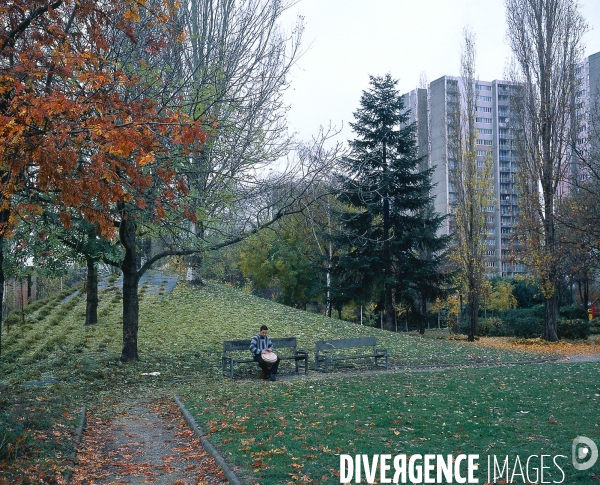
(289, 431)
(294, 432)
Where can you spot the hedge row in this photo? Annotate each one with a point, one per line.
(531, 327)
(529, 323)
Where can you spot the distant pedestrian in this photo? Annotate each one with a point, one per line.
(262, 352)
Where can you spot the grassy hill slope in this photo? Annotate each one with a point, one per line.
(53, 365)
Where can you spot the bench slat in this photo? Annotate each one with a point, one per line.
(345, 343)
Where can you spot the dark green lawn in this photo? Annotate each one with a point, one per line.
(295, 431)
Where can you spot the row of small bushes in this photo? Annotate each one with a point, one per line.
(529, 323)
(531, 327)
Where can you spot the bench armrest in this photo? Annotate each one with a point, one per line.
(381, 351)
(302, 351)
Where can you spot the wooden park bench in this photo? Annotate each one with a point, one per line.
(285, 348)
(328, 351)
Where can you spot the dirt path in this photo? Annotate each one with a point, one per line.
(147, 442)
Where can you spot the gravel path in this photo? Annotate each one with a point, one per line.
(147, 442)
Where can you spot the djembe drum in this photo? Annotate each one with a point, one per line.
(269, 357)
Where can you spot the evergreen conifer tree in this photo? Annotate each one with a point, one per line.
(389, 231)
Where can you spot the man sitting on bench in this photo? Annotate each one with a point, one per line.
(261, 343)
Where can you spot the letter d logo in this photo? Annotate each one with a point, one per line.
(589, 451)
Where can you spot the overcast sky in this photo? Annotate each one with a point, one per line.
(346, 40)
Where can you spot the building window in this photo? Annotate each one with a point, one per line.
(485, 131)
(486, 99)
(490, 242)
(490, 264)
(481, 87)
(484, 109)
(484, 142)
(483, 120)
(490, 252)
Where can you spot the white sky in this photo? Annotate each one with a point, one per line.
(346, 40)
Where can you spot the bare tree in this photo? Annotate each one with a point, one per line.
(234, 68)
(472, 186)
(319, 210)
(546, 39)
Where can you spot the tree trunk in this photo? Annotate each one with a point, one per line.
(473, 315)
(328, 297)
(91, 306)
(549, 332)
(584, 295)
(194, 275)
(390, 314)
(127, 234)
(424, 313)
(329, 263)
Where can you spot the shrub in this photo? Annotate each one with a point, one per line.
(528, 327)
(491, 327)
(573, 313)
(573, 329)
(523, 322)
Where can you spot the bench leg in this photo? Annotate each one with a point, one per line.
(377, 364)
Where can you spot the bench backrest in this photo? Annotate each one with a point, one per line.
(345, 343)
(278, 343)
(231, 345)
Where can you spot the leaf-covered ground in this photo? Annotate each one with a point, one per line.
(293, 432)
(589, 347)
(146, 442)
(53, 365)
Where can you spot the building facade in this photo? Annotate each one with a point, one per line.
(432, 109)
(586, 114)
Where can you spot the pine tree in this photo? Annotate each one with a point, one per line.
(392, 250)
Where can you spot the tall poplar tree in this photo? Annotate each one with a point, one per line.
(545, 37)
(387, 228)
(472, 186)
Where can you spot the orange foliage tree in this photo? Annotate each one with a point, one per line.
(78, 128)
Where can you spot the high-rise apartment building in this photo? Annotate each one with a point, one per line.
(586, 112)
(432, 110)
